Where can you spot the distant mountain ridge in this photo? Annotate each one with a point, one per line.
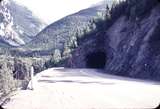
(58, 33)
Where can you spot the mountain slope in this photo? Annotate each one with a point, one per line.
(7, 33)
(57, 34)
(26, 23)
(129, 46)
(17, 24)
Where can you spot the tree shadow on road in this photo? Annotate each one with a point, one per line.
(73, 81)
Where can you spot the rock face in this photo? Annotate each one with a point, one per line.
(129, 47)
(7, 34)
(17, 24)
(88, 46)
(26, 24)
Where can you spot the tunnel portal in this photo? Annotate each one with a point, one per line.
(96, 60)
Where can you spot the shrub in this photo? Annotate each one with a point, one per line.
(7, 82)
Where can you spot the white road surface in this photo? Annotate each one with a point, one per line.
(85, 89)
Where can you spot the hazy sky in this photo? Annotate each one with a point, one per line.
(52, 10)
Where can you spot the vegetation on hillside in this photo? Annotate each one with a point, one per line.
(15, 72)
(135, 11)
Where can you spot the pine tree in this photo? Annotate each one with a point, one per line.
(66, 51)
(56, 56)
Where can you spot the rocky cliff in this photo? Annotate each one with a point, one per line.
(7, 33)
(129, 46)
(17, 24)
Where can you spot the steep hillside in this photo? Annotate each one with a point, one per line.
(27, 24)
(129, 45)
(56, 35)
(7, 33)
(17, 24)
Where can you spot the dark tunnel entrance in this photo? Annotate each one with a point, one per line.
(96, 60)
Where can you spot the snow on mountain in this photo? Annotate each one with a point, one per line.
(17, 24)
(7, 33)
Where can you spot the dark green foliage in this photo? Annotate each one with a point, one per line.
(118, 9)
(133, 9)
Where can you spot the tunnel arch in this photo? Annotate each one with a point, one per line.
(96, 59)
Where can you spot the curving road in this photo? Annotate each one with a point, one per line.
(85, 89)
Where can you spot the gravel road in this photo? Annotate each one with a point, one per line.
(85, 89)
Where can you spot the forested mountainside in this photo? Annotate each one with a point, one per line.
(127, 42)
(17, 24)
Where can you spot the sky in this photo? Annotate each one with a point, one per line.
(52, 10)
